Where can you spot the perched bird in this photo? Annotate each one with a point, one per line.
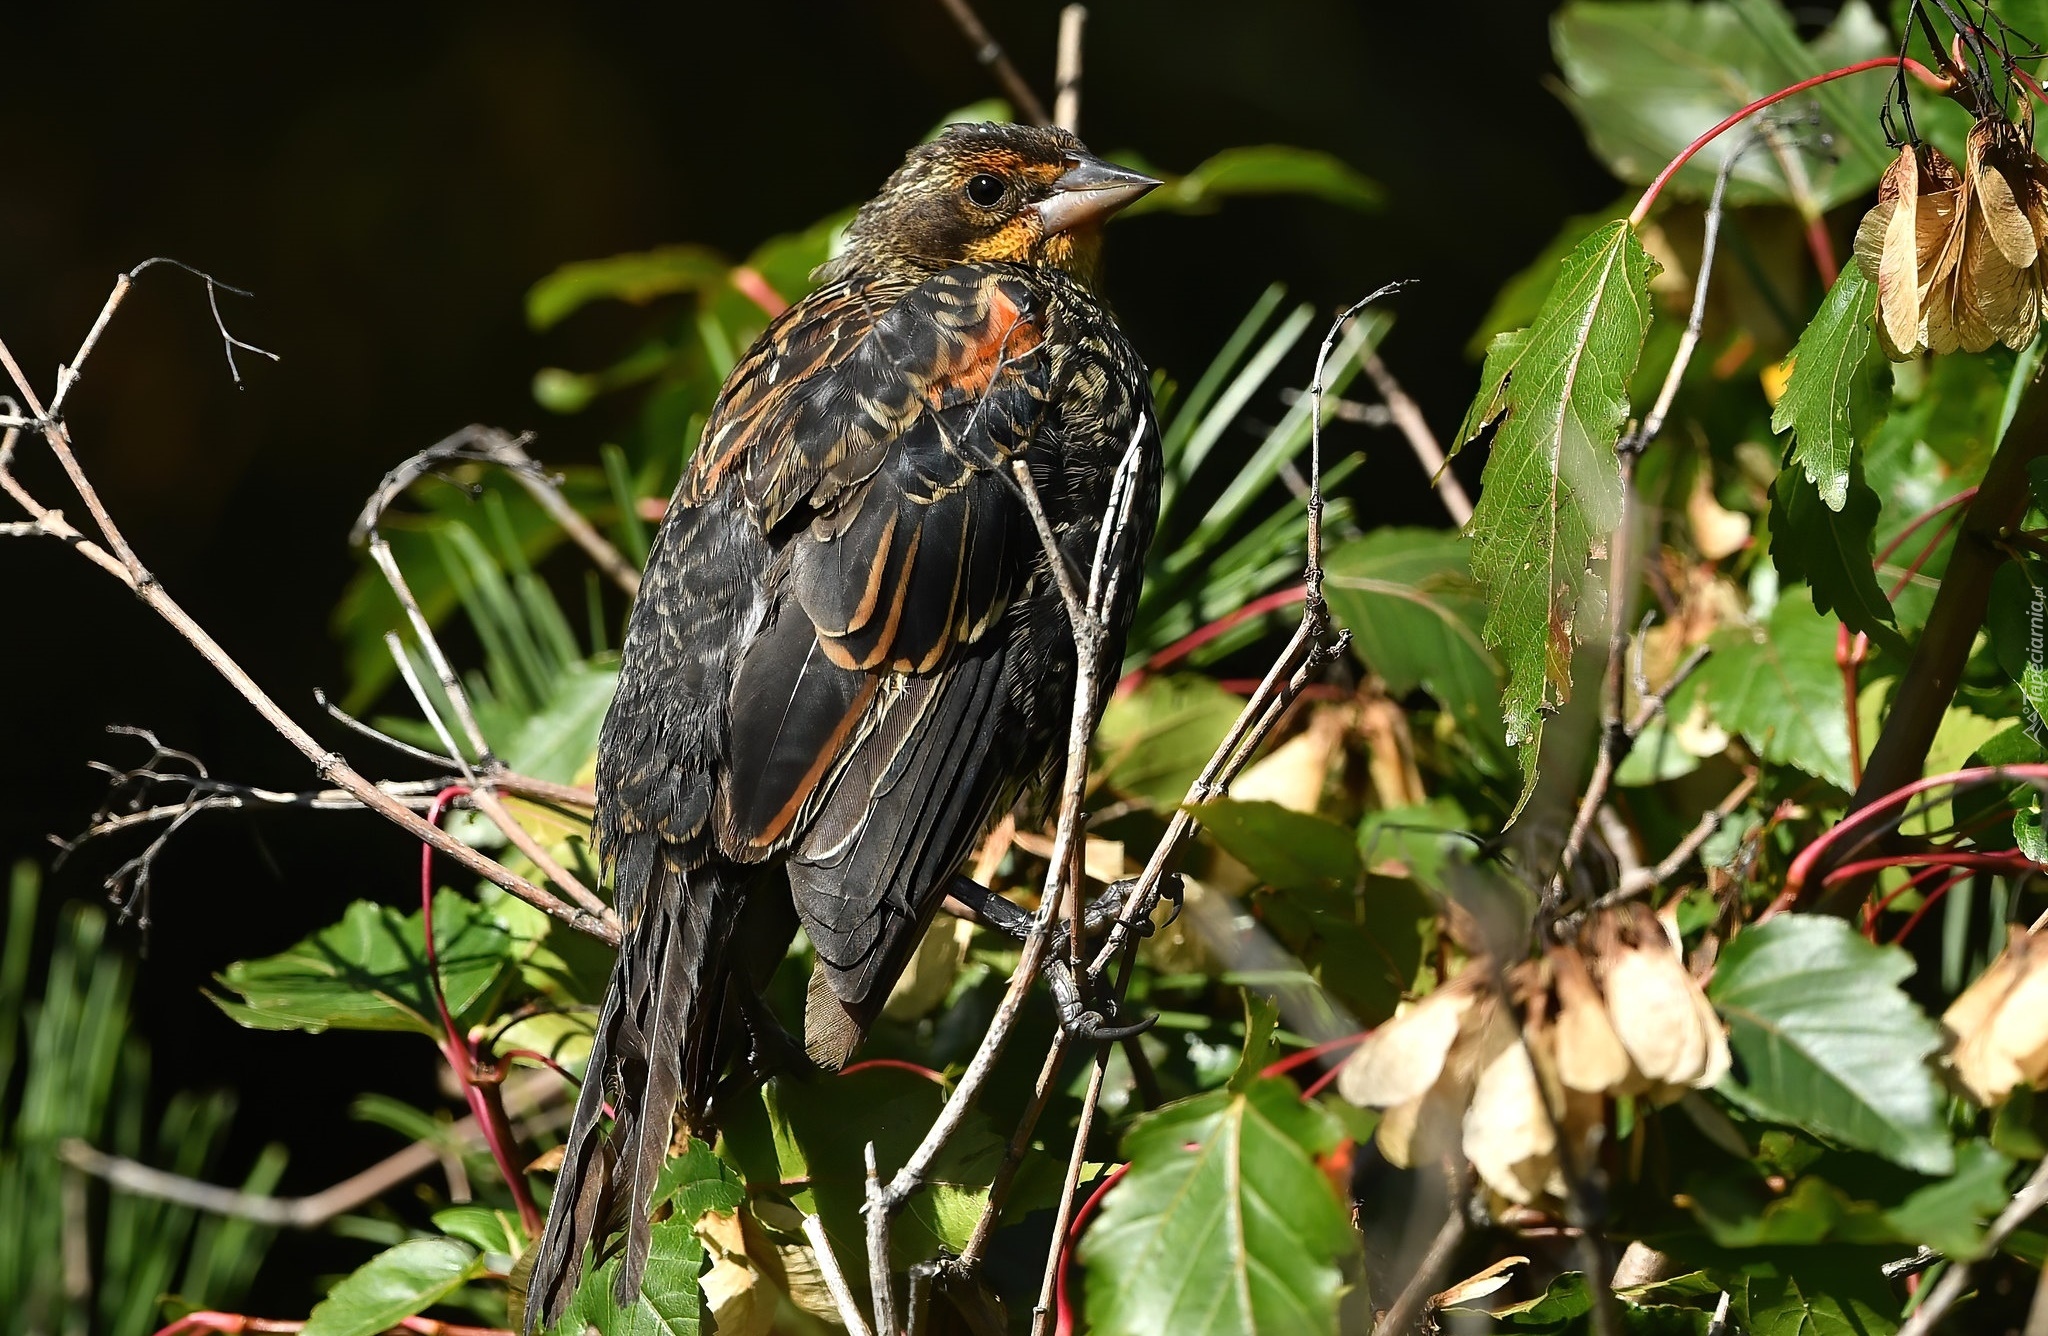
(849, 651)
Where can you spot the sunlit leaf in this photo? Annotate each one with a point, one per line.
(1552, 490)
(1829, 401)
(1414, 612)
(1154, 741)
(369, 971)
(638, 277)
(1645, 79)
(1284, 848)
(1263, 169)
(1824, 1039)
(1223, 1223)
(393, 1285)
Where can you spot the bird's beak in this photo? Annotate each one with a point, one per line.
(1089, 192)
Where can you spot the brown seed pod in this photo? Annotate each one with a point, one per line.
(1910, 241)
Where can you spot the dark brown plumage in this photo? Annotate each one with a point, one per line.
(849, 652)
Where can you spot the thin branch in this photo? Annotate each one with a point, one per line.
(1643, 879)
(1066, 79)
(485, 801)
(1061, 878)
(829, 1270)
(1406, 414)
(400, 745)
(1956, 1279)
(118, 559)
(989, 53)
(310, 1212)
(1409, 1305)
(510, 453)
(403, 661)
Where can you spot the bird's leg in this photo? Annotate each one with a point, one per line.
(771, 1048)
(972, 901)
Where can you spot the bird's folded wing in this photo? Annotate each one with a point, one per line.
(870, 437)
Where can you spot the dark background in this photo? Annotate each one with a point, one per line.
(388, 180)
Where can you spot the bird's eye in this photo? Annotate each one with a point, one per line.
(984, 190)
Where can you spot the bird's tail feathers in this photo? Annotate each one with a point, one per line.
(652, 1052)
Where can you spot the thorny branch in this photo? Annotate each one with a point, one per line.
(112, 553)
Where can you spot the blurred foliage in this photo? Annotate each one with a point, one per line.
(75, 1257)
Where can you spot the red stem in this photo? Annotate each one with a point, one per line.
(2009, 860)
(1872, 911)
(1963, 497)
(1293, 1060)
(1919, 71)
(1081, 1218)
(1194, 640)
(1928, 904)
(1321, 1083)
(479, 1088)
(898, 1064)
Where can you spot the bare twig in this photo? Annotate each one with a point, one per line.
(1643, 879)
(1089, 620)
(989, 53)
(118, 559)
(400, 745)
(1066, 79)
(1407, 1309)
(835, 1278)
(2029, 1199)
(1406, 414)
(523, 1094)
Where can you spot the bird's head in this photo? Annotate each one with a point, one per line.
(1017, 194)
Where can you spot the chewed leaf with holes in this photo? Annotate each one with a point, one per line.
(1223, 1223)
(369, 971)
(1556, 394)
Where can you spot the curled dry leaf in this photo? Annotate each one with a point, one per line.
(1590, 1056)
(1404, 1057)
(739, 1304)
(1716, 531)
(2000, 1023)
(1664, 1022)
(1958, 255)
(1511, 1128)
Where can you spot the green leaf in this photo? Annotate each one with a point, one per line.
(1408, 598)
(1832, 550)
(1223, 1222)
(395, 1284)
(1364, 944)
(1778, 686)
(1948, 1216)
(821, 1128)
(1824, 1039)
(482, 1228)
(1645, 79)
(668, 1303)
(1834, 1291)
(1262, 169)
(1829, 399)
(639, 277)
(1154, 741)
(1283, 847)
(1558, 1309)
(369, 971)
(1552, 483)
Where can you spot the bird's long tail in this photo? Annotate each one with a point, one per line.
(657, 1045)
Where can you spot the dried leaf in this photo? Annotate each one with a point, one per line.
(1716, 531)
(1590, 1055)
(1404, 1057)
(2001, 1022)
(1898, 268)
(1510, 1137)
